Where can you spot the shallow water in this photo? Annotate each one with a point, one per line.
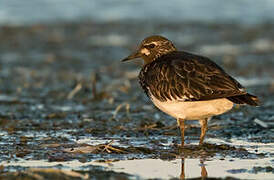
(216, 166)
(192, 168)
(178, 168)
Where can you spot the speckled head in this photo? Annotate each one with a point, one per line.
(152, 48)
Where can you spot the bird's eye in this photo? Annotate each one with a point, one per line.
(150, 46)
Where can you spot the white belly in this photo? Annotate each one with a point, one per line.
(194, 110)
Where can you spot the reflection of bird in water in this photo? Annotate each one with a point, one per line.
(187, 86)
(203, 169)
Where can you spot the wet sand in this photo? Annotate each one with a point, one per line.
(68, 103)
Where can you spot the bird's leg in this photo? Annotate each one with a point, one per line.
(203, 123)
(181, 123)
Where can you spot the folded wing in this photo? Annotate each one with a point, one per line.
(187, 77)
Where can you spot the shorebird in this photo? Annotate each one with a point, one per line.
(187, 86)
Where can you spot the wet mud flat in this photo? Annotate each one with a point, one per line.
(70, 109)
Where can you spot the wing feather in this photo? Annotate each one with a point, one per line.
(184, 76)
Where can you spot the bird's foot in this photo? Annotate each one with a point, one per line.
(179, 145)
(201, 144)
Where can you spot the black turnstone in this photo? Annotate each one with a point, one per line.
(187, 86)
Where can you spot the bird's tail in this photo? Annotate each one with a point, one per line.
(245, 99)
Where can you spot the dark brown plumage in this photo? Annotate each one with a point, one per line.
(187, 86)
(180, 74)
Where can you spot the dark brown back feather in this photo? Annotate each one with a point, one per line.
(189, 77)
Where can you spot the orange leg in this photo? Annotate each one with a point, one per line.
(181, 123)
(203, 123)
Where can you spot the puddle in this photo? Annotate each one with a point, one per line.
(191, 168)
(179, 168)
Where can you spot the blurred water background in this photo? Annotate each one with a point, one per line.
(18, 12)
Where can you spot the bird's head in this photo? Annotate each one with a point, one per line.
(152, 48)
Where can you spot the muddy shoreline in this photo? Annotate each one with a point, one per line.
(65, 96)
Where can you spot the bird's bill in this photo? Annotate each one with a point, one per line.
(132, 56)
